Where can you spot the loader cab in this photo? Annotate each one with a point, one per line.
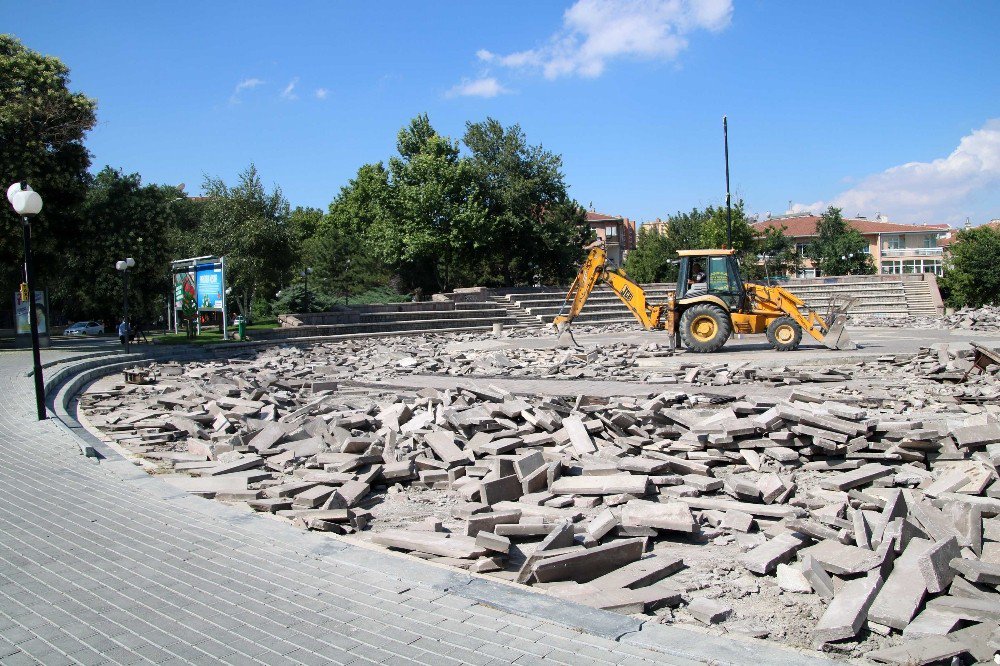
(710, 272)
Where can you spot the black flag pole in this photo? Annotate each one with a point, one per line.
(729, 206)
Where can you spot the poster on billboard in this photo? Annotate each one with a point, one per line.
(183, 282)
(23, 323)
(208, 282)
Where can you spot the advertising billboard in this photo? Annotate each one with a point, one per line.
(22, 313)
(208, 284)
(183, 282)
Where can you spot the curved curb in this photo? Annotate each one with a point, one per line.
(677, 642)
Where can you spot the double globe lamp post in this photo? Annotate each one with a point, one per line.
(27, 203)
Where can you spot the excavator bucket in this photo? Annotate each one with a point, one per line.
(566, 339)
(837, 337)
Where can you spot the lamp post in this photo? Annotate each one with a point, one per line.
(123, 266)
(306, 272)
(347, 291)
(27, 203)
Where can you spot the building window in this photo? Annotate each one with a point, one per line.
(930, 241)
(610, 231)
(894, 242)
(910, 266)
(800, 249)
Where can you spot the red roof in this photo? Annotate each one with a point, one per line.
(805, 225)
(601, 217)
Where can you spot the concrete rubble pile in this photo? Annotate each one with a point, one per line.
(986, 318)
(884, 518)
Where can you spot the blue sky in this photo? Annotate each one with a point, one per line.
(890, 107)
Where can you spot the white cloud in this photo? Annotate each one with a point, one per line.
(289, 91)
(595, 32)
(942, 190)
(245, 84)
(322, 93)
(484, 87)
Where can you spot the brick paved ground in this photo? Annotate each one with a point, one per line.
(101, 564)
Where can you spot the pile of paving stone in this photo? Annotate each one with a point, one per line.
(887, 513)
(986, 318)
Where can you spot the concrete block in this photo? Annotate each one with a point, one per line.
(493, 542)
(765, 558)
(935, 564)
(817, 576)
(709, 611)
(675, 516)
(586, 565)
(848, 611)
(839, 558)
(903, 592)
(612, 484)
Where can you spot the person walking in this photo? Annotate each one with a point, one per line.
(123, 331)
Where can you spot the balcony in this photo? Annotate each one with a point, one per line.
(913, 252)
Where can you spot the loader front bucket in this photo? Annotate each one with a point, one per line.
(837, 337)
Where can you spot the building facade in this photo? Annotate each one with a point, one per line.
(616, 232)
(894, 248)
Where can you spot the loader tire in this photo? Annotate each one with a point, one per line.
(784, 334)
(705, 327)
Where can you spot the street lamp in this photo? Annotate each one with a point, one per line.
(123, 266)
(27, 203)
(306, 272)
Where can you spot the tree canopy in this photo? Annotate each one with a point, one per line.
(439, 219)
(655, 256)
(120, 218)
(42, 127)
(972, 274)
(249, 226)
(838, 248)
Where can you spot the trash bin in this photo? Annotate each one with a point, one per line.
(241, 327)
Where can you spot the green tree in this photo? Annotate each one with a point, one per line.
(531, 227)
(777, 254)
(972, 274)
(42, 126)
(303, 224)
(838, 248)
(714, 232)
(654, 258)
(120, 218)
(428, 217)
(249, 226)
(344, 264)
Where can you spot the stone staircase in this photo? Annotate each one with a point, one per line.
(521, 318)
(919, 300)
(394, 318)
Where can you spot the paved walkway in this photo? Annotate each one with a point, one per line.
(101, 564)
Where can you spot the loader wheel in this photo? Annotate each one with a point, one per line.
(705, 327)
(784, 334)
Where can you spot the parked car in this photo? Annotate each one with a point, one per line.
(85, 328)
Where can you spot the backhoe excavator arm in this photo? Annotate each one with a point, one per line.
(632, 295)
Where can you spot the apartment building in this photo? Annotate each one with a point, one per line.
(617, 233)
(894, 248)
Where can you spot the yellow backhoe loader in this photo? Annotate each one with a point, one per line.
(711, 303)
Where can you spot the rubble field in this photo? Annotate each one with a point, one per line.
(851, 508)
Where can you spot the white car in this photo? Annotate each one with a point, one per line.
(85, 328)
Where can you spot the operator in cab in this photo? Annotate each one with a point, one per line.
(696, 283)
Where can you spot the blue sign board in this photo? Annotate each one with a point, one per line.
(208, 282)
